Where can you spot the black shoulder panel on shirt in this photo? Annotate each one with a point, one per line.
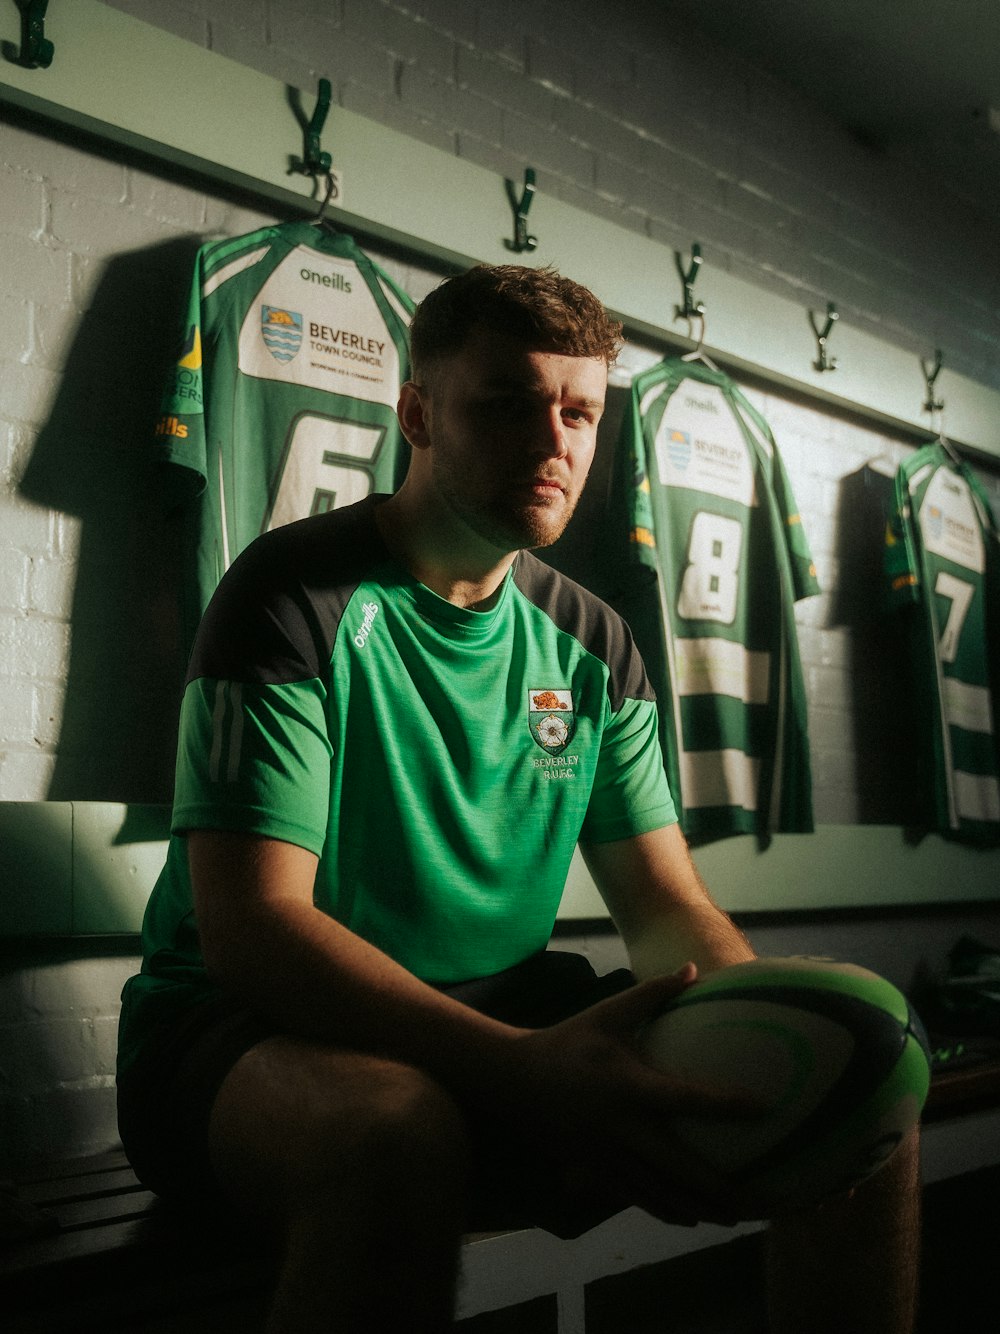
(582, 614)
(274, 616)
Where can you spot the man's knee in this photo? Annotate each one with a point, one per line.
(310, 1118)
(408, 1123)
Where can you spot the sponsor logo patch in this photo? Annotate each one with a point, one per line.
(281, 331)
(679, 449)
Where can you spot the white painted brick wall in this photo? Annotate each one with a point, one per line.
(782, 195)
(626, 118)
(58, 1033)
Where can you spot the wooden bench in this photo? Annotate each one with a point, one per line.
(108, 1255)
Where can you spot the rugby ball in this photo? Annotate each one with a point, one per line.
(833, 1053)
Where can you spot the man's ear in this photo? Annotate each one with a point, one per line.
(411, 411)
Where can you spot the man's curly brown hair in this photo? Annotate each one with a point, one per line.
(537, 306)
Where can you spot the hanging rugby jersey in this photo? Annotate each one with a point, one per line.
(713, 519)
(282, 403)
(942, 558)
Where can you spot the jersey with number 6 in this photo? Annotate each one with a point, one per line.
(282, 402)
(941, 559)
(712, 518)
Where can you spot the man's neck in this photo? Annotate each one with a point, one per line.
(468, 574)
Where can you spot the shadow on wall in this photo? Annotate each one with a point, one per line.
(878, 653)
(126, 665)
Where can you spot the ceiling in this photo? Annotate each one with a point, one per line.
(920, 79)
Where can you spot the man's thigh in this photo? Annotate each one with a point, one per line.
(165, 1096)
(295, 1118)
(221, 1099)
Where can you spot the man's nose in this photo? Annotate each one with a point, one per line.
(551, 434)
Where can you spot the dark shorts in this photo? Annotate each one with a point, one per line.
(165, 1098)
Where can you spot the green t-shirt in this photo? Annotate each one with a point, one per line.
(441, 762)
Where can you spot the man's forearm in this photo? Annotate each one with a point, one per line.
(661, 905)
(264, 941)
(700, 932)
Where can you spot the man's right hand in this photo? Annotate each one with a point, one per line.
(601, 1112)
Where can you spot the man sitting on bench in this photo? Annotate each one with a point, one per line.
(398, 724)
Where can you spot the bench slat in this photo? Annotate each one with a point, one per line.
(58, 1248)
(54, 1193)
(103, 1209)
(60, 1169)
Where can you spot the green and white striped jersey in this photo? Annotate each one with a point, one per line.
(282, 402)
(441, 762)
(712, 519)
(942, 560)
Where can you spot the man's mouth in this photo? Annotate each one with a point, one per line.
(545, 486)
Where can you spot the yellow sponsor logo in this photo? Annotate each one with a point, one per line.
(190, 357)
(172, 426)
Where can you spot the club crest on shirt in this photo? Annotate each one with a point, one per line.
(551, 719)
(281, 331)
(679, 448)
(933, 520)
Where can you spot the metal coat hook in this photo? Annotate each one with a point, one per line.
(522, 241)
(930, 376)
(933, 405)
(332, 193)
(690, 308)
(824, 362)
(315, 162)
(36, 50)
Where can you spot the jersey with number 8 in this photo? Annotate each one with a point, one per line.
(711, 579)
(712, 517)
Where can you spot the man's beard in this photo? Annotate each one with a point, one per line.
(502, 519)
(510, 526)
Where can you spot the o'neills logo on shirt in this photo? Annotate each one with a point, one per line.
(551, 719)
(370, 610)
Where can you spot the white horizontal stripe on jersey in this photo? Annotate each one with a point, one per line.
(977, 796)
(719, 778)
(713, 666)
(967, 706)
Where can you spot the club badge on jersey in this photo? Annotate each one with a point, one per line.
(551, 719)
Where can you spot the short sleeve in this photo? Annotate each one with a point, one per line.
(630, 794)
(255, 758)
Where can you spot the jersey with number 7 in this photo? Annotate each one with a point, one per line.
(942, 559)
(282, 401)
(713, 518)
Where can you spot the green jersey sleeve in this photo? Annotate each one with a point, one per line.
(630, 794)
(255, 758)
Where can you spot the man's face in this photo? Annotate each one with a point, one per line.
(511, 434)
